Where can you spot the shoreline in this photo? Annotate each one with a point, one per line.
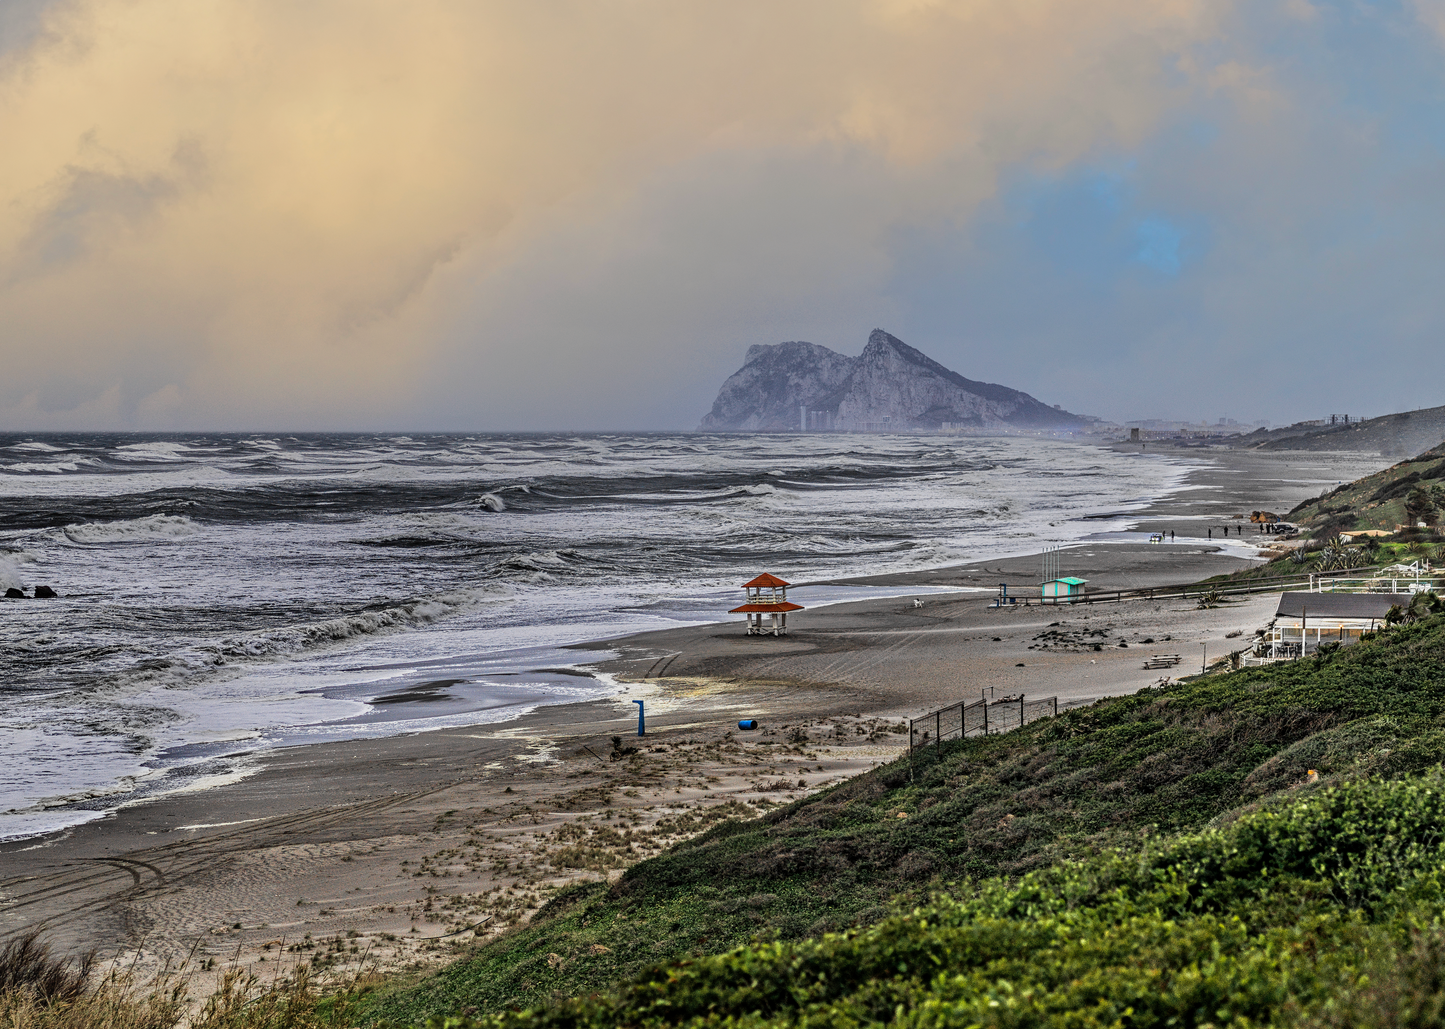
(416, 837)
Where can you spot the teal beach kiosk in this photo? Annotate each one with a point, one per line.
(1067, 588)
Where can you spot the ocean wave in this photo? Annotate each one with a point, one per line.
(157, 450)
(149, 529)
(316, 561)
(50, 467)
(10, 565)
(540, 561)
(299, 639)
(491, 502)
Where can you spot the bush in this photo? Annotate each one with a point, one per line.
(1238, 926)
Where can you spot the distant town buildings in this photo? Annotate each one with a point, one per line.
(1223, 425)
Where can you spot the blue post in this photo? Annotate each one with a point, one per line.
(641, 727)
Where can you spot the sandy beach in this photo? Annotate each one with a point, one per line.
(402, 851)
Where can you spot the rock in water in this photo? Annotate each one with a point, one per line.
(788, 387)
(42, 592)
(13, 594)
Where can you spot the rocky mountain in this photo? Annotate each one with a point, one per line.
(788, 387)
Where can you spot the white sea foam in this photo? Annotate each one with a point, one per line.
(12, 569)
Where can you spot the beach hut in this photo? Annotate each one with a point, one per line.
(1066, 588)
(767, 607)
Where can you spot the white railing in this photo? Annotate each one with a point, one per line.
(1324, 582)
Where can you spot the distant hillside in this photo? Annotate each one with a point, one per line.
(889, 387)
(1407, 493)
(1408, 432)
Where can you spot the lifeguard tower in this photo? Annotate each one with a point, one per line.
(767, 606)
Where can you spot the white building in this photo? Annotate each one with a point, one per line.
(1305, 620)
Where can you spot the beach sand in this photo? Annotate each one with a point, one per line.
(402, 851)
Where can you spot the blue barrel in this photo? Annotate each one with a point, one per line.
(747, 723)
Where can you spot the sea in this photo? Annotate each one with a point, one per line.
(221, 595)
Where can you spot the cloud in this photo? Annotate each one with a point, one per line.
(326, 213)
(489, 215)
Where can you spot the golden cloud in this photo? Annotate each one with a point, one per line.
(283, 213)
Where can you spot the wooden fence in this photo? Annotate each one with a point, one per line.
(982, 717)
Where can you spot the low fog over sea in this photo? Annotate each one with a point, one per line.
(224, 594)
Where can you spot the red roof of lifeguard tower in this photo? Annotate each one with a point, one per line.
(772, 602)
(766, 579)
(770, 582)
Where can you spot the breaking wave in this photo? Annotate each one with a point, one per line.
(135, 530)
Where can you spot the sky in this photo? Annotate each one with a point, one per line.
(565, 214)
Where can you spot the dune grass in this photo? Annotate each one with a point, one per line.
(41, 991)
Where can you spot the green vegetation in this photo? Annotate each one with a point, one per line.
(1259, 847)
(1320, 911)
(1365, 558)
(1407, 493)
(1145, 853)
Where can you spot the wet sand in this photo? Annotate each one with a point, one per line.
(399, 851)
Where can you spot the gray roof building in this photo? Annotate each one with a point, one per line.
(1363, 606)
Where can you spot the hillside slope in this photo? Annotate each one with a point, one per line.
(1394, 435)
(1406, 493)
(1037, 800)
(1322, 911)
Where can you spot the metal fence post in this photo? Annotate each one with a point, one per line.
(985, 716)
(938, 729)
(1021, 710)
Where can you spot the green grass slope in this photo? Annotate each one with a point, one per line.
(1121, 784)
(1324, 910)
(1402, 494)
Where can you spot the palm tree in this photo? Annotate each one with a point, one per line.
(1420, 506)
(1422, 605)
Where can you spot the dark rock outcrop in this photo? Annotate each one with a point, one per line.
(13, 594)
(44, 592)
(787, 387)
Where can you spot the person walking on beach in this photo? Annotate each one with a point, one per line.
(1171, 535)
(1211, 533)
